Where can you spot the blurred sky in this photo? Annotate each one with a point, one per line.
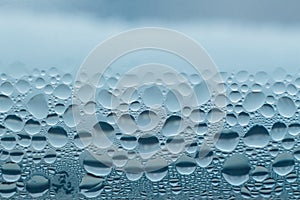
(250, 34)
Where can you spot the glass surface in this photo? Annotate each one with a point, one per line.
(149, 99)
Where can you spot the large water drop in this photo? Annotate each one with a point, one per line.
(236, 169)
(257, 137)
(38, 106)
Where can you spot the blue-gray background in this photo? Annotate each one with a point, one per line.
(251, 34)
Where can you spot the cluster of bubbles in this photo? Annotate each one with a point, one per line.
(150, 141)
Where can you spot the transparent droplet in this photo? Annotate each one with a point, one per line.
(257, 137)
(5, 103)
(236, 169)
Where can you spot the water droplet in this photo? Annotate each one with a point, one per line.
(98, 165)
(173, 126)
(127, 124)
(297, 153)
(72, 116)
(32, 127)
(8, 141)
(85, 93)
(11, 172)
(243, 118)
(83, 139)
(91, 186)
(62, 91)
(128, 142)
(175, 145)
(7, 190)
(260, 173)
(286, 107)
(148, 145)
(148, 120)
(134, 170)
(24, 139)
(6, 88)
(5, 103)
(201, 128)
(14, 123)
(236, 169)
(57, 136)
(185, 165)
(38, 142)
(16, 156)
(215, 115)
(50, 156)
(156, 169)
(171, 102)
(202, 93)
(278, 131)
(294, 129)
(253, 101)
(257, 136)
(37, 185)
(197, 116)
(38, 106)
(22, 86)
(283, 164)
(227, 140)
(204, 156)
(103, 134)
(267, 110)
(152, 97)
(106, 99)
